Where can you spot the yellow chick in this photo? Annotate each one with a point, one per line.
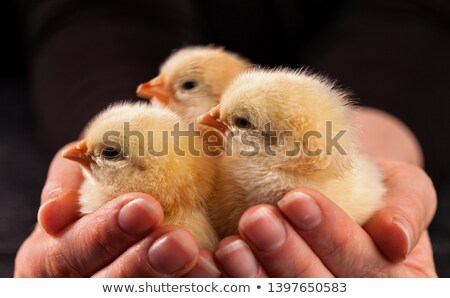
(287, 129)
(131, 148)
(192, 80)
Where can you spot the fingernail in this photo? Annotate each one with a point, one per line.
(238, 260)
(264, 229)
(51, 190)
(210, 268)
(172, 252)
(138, 217)
(407, 233)
(54, 193)
(301, 210)
(41, 210)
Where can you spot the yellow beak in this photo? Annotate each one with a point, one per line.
(78, 153)
(212, 119)
(154, 89)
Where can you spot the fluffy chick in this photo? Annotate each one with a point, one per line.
(129, 148)
(191, 80)
(295, 151)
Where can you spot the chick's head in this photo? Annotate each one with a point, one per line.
(192, 80)
(129, 148)
(286, 118)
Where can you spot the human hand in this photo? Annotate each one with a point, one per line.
(111, 242)
(310, 236)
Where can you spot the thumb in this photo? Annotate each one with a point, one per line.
(59, 197)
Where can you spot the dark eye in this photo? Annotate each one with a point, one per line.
(189, 85)
(242, 123)
(110, 153)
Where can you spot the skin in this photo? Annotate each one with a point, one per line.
(393, 243)
(324, 244)
(111, 242)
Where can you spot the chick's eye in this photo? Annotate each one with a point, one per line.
(110, 153)
(189, 85)
(242, 123)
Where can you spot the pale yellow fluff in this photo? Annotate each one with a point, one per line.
(300, 103)
(211, 68)
(182, 184)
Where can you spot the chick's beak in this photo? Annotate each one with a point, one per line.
(154, 88)
(78, 153)
(212, 119)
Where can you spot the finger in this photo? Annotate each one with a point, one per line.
(169, 251)
(205, 267)
(98, 238)
(26, 263)
(410, 206)
(277, 246)
(342, 245)
(59, 198)
(62, 174)
(236, 259)
(421, 258)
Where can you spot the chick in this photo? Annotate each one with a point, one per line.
(287, 129)
(192, 80)
(130, 148)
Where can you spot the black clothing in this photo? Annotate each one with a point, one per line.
(393, 55)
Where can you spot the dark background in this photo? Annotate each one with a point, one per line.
(394, 56)
(22, 162)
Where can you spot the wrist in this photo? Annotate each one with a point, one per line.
(383, 135)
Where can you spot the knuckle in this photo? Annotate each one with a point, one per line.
(378, 272)
(337, 247)
(58, 264)
(305, 270)
(105, 243)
